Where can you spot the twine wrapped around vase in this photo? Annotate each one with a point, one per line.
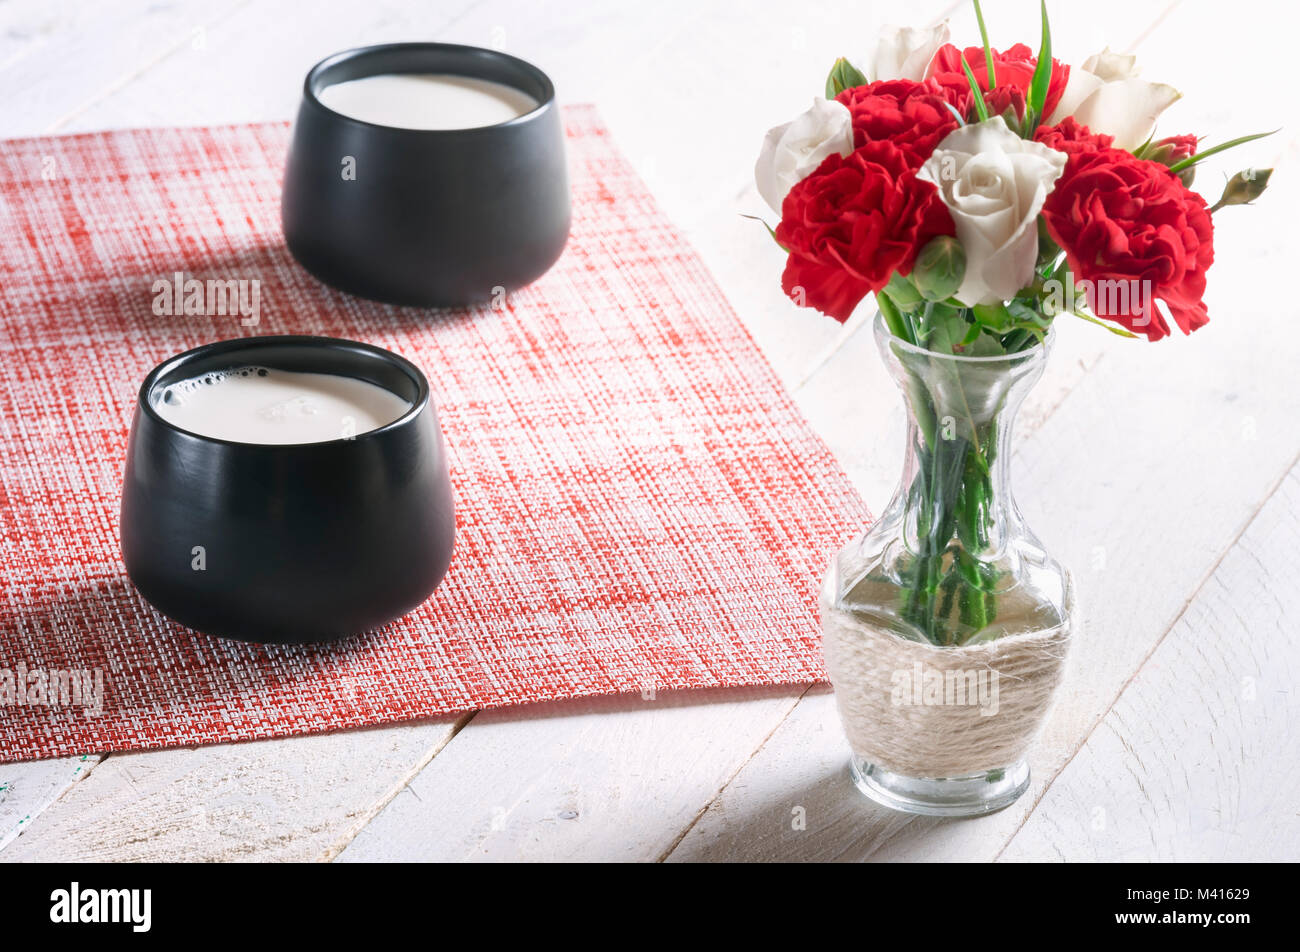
(922, 710)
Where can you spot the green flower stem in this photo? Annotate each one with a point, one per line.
(1017, 340)
(953, 495)
(948, 591)
(893, 318)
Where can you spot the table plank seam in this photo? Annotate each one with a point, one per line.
(1164, 15)
(704, 808)
(402, 783)
(8, 838)
(855, 324)
(1191, 598)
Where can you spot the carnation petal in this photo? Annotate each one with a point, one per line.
(1135, 238)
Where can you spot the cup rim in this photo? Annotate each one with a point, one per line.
(238, 344)
(1039, 349)
(546, 101)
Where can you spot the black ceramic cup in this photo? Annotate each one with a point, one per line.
(431, 218)
(287, 543)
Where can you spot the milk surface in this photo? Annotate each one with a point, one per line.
(427, 101)
(265, 405)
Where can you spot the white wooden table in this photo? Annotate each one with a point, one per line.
(1165, 475)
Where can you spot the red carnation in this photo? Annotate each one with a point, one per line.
(854, 222)
(1012, 68)
(1177, 147)
(1070, 137)
(1132, 233)
(911, 115)
(1002, 99)
(1172, 150)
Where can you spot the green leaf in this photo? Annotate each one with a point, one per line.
(1033, 329)
(984, 345)
(1141, 150)
(947, 329)
(903, 293)
(1114, 329)
(1028, 125)
(843, 75)
(1043, 73)
(944, 336)
(988, 51)
(1193, 159)
(993, 316)
(1026, 315)
(981, 107)
(770, 231)
(979, 343)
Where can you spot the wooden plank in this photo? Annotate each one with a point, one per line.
(1209, 107)
(610, 779)
(57, 60)
(1197, 759)
(1140, 533)
(26, 789)
(250, 66)
(294, 799)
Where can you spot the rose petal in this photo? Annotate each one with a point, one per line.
(906, 52)
(1127, 110)
(791, 152)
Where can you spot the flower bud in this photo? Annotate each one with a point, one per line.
(844, 75)
(1007, 102)
(1171, 151)
(1244, 187)
(939, 268)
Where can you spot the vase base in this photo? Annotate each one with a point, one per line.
(972, 795)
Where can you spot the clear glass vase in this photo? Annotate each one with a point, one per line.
(949, 606)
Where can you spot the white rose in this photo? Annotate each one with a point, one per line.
(906, 52)
(1111, 67)
(793, 151)
(1106, 95)
(994, 184)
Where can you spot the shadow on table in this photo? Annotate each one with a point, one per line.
(822, 820)
(288, 299)
(105, 623)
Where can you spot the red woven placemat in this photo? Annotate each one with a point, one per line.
(639, 504)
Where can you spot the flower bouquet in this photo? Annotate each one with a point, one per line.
(979, 194)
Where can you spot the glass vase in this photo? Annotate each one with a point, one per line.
(945, 625)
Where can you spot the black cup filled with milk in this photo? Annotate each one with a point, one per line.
(428, 174)
(286, 489)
